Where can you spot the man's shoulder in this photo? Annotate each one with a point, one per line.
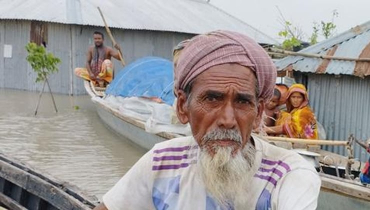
(107, 48)
(185, 142)
(174, 156)
(90, 49)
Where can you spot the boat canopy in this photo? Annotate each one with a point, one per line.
(146, 77)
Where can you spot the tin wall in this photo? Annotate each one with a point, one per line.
(70, 43)
(342, 106)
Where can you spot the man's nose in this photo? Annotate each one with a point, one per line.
(226, 117)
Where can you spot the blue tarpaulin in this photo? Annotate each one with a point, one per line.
(148, 77)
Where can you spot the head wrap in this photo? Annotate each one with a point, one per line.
(176, 54)
(297, 88)
(283, 89)
(220, 47)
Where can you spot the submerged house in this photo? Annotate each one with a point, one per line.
(65, 27)
(338, 83)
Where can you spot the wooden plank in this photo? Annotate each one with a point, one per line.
(70, 190)
(16, 193)
(10, 203)
(39, 187)
(346, 187)
(310, 55)
(51, 208)
(88, 88)
(2, 182)
(306, 141)
(31, 201)
(7, 188)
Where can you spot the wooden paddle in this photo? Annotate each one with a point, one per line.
(111, 36)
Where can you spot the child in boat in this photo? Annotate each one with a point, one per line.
(365, 173)
(272, 109)
(299, 120)
(283, 89)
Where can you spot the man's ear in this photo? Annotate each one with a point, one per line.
(260, 109)
(182, 107)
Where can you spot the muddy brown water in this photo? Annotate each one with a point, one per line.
(72, 145)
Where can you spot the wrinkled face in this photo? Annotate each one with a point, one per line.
(222, 97)
(296, 99)
(273, 103)
(98, 40)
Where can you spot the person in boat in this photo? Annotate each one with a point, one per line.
(298, 121)
(365, 173)
(283, 89)
(223, 80)
(272, 111)
(99, 67)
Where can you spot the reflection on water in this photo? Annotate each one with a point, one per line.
(72, 145)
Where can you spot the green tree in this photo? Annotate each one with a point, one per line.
(43, 64)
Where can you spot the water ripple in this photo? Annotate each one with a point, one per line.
(72, 145)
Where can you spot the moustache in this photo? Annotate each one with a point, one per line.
(223, 134)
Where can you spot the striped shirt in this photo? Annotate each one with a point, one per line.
(167, 178)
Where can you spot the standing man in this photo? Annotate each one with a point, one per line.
(222, 81)
(99, 67)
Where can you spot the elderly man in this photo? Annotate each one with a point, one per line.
(222, 80)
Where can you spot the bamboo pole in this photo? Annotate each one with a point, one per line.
(111, 37)
(285, 52)
(38, 102)
(52, 97)
(307, 141)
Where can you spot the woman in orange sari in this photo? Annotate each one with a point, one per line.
(298, 121)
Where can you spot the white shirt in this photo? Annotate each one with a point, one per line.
(166, 178)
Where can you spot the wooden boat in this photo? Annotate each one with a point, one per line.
(336, 192)
(22, 187)
(93, 90)
(131, 129)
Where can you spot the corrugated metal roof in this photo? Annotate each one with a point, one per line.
(185, 16)
(354, 43)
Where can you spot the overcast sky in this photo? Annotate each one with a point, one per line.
(264, 15)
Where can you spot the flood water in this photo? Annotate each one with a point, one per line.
(72, 145)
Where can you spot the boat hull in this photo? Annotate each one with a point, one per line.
(128, 130)
(22, 187)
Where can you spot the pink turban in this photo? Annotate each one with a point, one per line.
(220, 47)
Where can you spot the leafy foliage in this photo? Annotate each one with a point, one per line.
(293, 35)
(315, 34)
(290, 36)
(42, 63)
(327, 29)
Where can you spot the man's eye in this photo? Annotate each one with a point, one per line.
(243, 101)
(211, 98)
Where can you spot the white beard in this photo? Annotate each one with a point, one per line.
(228, 178)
